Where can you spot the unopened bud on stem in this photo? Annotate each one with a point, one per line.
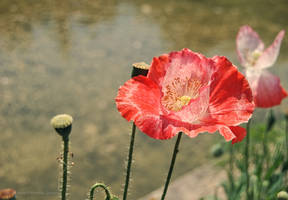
(140, 68)
(62, 124)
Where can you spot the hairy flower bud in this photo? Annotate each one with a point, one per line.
(62, 124)
(283, 195)
(140, 68)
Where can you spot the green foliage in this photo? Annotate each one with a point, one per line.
(267, 165)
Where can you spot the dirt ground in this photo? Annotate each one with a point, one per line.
(200, 182)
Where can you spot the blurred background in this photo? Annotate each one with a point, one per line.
(72, 56)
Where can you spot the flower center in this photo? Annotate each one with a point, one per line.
(253, 57)
(185, 100)
(256, 54)
(179, 92)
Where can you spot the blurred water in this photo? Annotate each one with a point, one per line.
(71, 57)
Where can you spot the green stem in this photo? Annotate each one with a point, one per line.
(65, 166)
(129, 162)
(286, 144)
(101, 185)
(286, 138)
(231, 158)
(266, 155)
(246, 154)
(176, 150)
(231, 163)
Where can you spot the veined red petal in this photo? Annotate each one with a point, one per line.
(139, 96)
(269, 56)
(234, 133)
(239, 132)
(266, 87)
(190, 129)
(181, 64)
(231, 100)
(139, 100)
(158, 69)
(156, 127)
(247, 42)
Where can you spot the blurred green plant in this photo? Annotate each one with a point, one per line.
(267, 174)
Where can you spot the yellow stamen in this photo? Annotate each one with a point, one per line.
(256, 54)
(184, 100)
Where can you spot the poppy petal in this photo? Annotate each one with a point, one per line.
(139, 100)
(247, 42)
(269, 56)
(234, 133)
(137, 97)
(266, 87)
(192, 130)
(158, 68)
(179, 64)
(231, 100)
(156, 127)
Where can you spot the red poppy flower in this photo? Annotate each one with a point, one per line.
(185, 91)
(266, 87)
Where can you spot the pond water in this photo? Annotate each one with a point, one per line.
(71, 57)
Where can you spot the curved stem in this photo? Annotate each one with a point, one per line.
(65, 166)
(176, 150)
(246, 153)
(101, 185)
(129, 162)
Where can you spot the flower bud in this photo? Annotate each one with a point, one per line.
(265, 183)
(62, 124)
(283, 195)
(286, 114)
(217, 150)
(7, 194)
(285, 166)
(254, 179)
(140, 68)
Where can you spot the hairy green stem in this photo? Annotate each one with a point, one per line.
(103, 186)
(176, 150)
(246, 154)
(65, 166)
(130, 157)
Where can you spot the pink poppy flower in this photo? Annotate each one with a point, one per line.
(186, 92)
(265, 86)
